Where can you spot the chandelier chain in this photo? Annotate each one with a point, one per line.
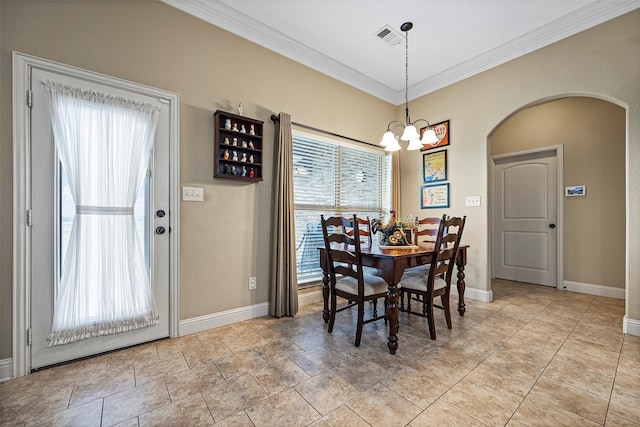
(406, 76)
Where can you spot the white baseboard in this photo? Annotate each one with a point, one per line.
(6, 369)
(631, 326)
(599, 290)
(474, 294)
(310, 298)
(215, 320)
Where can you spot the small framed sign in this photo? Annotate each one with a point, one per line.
(434, 196)
(442, 131)
(434, 166)
(575, 190)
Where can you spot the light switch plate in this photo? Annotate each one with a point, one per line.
(192, 194)
(472, 201)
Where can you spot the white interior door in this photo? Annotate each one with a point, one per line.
(52, 211)
(526, 213)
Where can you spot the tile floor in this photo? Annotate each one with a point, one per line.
(534, 357)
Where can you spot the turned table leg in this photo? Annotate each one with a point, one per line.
(392, 312)
(461, 262)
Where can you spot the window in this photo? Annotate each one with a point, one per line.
(334, 177)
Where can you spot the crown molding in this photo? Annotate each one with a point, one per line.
(586, 17)
(229, 19)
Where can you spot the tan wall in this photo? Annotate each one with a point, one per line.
(224, 239)
(602, 62)
(592, 133)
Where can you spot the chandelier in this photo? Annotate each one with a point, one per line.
(410, 133)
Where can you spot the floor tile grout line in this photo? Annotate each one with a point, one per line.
(614, 379)
(489, 355)
(551, 360)
(484, 359)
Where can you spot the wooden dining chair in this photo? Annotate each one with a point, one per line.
(426, 230)
(424, 235)
(346, 274)
(366, 241)
(364, 228)
(437, 282)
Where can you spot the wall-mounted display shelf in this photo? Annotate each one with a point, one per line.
(237, 147)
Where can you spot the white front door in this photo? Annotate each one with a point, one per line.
(525, 218)
(52, 212)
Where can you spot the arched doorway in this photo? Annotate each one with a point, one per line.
(591, 132)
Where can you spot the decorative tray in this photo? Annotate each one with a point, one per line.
(399, 247)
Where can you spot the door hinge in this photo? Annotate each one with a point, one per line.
(29, 218)
(30, 98)
(29, 336)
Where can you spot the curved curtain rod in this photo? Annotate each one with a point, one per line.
(275, 118)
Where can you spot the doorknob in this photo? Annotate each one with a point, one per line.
(552, 226)
(160, 213)
(160, 230)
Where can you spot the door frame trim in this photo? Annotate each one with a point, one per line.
(21, 74)
(558, 150)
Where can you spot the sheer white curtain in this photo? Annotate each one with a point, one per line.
(104, 143)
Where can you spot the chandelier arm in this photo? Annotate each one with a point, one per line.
(423, 120)
(398, 123)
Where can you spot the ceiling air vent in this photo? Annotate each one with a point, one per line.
(389, 35)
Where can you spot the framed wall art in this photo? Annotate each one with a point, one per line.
(434, 166)
(434, 196)
(443, 132)
(575, 190)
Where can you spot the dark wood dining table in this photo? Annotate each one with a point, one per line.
(391, 263)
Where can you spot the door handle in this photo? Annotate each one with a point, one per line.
(552, 226)
(160, 213)
(160, 230)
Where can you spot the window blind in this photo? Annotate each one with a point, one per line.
(333, 177)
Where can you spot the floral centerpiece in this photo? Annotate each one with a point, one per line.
(393, 232)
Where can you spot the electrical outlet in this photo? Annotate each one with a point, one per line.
(472, 201)
(252, 283)
(192, 194)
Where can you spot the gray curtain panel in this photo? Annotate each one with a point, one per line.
(283, 289)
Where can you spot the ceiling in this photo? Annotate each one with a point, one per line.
(450, 40)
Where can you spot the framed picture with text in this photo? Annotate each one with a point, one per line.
(443, 132)
(434, 166)
(434, 196)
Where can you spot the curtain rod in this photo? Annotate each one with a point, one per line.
(275, 118)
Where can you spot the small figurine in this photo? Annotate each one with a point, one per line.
(244, 144)
(235, 142)
(234, 156)
(244, 157)
(233, 170)
(235, 127)
(240, 109)
(226, 169)
(226, 141)
(244, 171)
(251, 158)
(225, 155)
(251, 144)
(227, 124)
(251, 173)
(252, 129)
(243, 129)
